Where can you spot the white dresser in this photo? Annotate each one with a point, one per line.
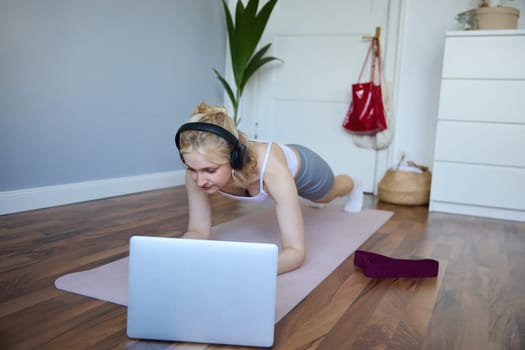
(479, 155)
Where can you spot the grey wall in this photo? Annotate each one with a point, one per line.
(96, 89)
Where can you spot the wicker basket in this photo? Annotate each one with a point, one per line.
(405, 187)
(497, 17)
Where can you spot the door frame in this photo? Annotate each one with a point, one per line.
(392, 67)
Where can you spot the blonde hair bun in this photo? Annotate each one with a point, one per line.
(204, 108)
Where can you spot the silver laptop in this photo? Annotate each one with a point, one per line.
(202, 291)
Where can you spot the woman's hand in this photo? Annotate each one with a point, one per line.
(195, 235)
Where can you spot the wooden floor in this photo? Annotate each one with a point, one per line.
(477, 302)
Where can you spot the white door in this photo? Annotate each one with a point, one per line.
(304, 99)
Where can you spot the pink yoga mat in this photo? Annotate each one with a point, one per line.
(331, 236)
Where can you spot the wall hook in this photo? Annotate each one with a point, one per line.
(376, 36)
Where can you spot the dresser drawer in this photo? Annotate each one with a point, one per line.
(481, 185)
(493, 57)
(483, 100)
(483, 143)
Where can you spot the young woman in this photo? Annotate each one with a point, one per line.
(219, 158)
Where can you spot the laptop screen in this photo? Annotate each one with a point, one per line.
(202, 291)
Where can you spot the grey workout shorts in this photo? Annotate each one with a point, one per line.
(315, 178)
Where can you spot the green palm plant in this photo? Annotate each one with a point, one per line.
(243, 37)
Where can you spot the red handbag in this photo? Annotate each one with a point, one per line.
(366, 114)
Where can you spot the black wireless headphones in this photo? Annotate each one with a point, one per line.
(239, 152)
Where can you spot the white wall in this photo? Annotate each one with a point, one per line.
(424, 25)
(92, 93)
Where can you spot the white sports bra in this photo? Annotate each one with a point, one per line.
(262, 196)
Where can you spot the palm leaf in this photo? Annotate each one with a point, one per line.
(249, 29)
(261, 20)
(251, 9)
(239, 12)
(247, 33)
(256, 65)
(257, 61)
(232, 36)
(227, 87)
(240, 31)
(243, 37)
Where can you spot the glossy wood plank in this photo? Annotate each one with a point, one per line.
(476, 302)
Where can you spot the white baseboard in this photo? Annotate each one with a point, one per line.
(472, 210)
(50, 196)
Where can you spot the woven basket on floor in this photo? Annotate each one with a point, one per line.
(405, 187)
